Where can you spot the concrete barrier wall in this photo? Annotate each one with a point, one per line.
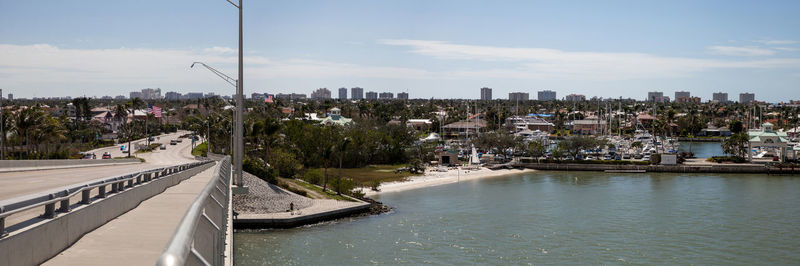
(40, 243)
(50, 163)
(648, 168)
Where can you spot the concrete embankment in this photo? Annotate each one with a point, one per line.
(36, 243)
(711, 168)
(267, 206)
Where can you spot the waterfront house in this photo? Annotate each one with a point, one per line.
(767, 141)
(588, 126)
(529, 122)
(416, 124)
(713, 131)
(336, 118)
(464, 128)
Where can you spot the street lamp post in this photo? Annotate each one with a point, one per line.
(237, 129)
(238, 145)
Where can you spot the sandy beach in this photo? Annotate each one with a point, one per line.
(433, 178)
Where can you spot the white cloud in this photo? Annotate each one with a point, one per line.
(740, 51)
(788, 49)
(220, 50)
(542, 63)
(44, 66)
(776, 42)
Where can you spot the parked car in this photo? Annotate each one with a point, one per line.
(173, 142)
(89, 156)
(179, 140)
(162, 147)
(151, 139)
(106, 155)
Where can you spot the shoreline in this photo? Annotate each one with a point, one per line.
(432, 178)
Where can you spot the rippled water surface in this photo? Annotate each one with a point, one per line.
(702, 149)
(558, 218)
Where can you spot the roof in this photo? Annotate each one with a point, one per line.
(588, 122)
(466, 124)
(338, 120)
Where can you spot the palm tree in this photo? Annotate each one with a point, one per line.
(342, 148)
(25, 122)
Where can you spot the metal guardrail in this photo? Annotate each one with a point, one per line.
(62, 196)
(200, 237)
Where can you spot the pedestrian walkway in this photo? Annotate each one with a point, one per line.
(139, 236)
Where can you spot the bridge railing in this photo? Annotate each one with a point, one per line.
(62, 196)
(200, 237)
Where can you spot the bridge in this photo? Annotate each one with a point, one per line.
(171, 209)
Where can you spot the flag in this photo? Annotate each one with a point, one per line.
(155, 110)
(268, 99)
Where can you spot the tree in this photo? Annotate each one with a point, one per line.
(341, 148)
(736, 126)
(736, 144)
(536, 149)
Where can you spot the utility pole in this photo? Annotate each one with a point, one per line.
(2, 129)
(239, 152)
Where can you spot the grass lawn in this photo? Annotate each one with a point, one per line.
(200, 150)
(366, 175)
(329, 193)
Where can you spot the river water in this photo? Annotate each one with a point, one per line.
(702, 149)
(557, 218)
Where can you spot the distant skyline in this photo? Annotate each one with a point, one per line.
(430, 49)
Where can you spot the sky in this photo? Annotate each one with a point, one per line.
(428, 48)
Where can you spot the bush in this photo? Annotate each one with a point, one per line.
(257, 168)
(723, 159)
(286, 163)
(345, 185)
(293, 190)
(313, 176)
(375, 185)
(655, 159)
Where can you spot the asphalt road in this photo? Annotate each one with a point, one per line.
(15, 184)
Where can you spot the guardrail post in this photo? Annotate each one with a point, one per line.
(121, 186)
(2, 224)
(50, 209)
(138, 179)
(114, 187)
(85, 197)
(102, 191)
(64, 206)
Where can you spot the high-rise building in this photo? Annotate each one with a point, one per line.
(172, 96)
(371, 95)
(119, 97)
(321, 94)
(342, 93)
(136, 94)
(655, 96)
(10, 97)
(258, 96)
(290, 96)
(575, 97)
(486, 93)
(386, 96)
(518, 96)
(193, 95)
(546, 95)
(146, 94)
(747, 97)
(682, 96)
(357, 93)
(720, 97)
(402, 96)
